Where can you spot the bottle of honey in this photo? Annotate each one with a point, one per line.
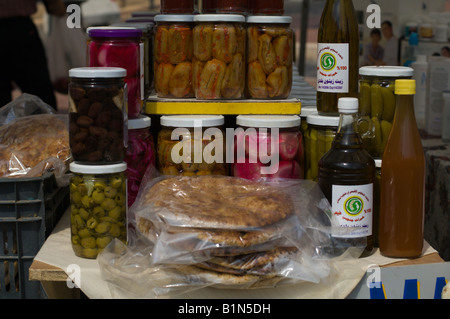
(402, 194)
(337, 55)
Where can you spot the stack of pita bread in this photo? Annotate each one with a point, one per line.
(221, 230)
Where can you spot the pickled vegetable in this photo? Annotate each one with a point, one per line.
(101, 210)
(269, 58)
(219, 51)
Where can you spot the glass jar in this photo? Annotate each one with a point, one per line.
(177, 6)
(219, 56)
(172, 54)
(98, 207)
(319, 137)
(269, 57)
(119, 47)
(268, 146)
(191, 145)
(266, 7)
(97, 115)
(140, 155)
(377, 104)
(147, 42)
(209, 6)
(232, 6)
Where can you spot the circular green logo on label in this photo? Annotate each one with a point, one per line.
(353, 206)
(327, 61)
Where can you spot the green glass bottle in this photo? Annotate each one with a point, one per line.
(337, 55)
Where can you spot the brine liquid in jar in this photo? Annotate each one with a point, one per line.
(346, 177)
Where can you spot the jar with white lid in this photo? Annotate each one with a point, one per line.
(377, 103)
(97, 115)
(192, 145)
(268, 146)
(172, 55)
(140, 155)
(98, 207)
(269, 57)
(119, 47)
(219, 56)
(319, 137)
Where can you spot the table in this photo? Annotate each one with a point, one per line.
(56, 260)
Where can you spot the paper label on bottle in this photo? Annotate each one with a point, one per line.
(353, 209)
(332, 67)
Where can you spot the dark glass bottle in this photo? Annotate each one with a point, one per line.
(346, 177)
(337, 55)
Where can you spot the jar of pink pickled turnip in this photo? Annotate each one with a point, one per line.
(120, 47)
(268, 146)
(140, 155)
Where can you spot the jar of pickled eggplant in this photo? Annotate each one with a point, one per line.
(232, 6)
(266, 7)
(172, 55)
(269, 57)
(98, 207)
(177, 6)
(192, 145)
(218, 70)
(140, 155)
(268, 146)
(97, 115)
(377, 104)
(120, 47)
(319, 137)
(147, 43)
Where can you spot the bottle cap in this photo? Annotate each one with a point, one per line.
(348, 105)
(405, 87)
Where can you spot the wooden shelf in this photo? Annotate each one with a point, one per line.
(160, 106)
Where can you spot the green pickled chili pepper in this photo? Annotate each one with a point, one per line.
(83, 213)
(378, 137)
(78, 221)
(76, 240)
(329, 137)
(388, 104)
(108, 204)
(87, 201)
(365, 99)
(115, 213)
(114, 231)
(116, 181)
(110, 191)
(314, 155)
(120, 199)
(376, 101)
(98, 196)
(98, 211)
(89, 253)
(76, 197)
(103, 241)
(84, 232)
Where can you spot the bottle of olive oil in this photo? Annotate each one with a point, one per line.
(346, 178)
(337, 55)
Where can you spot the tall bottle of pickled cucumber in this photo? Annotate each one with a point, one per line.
(337, 55)
(402, 195)
(347, 177)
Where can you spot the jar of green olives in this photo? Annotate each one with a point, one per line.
(98, 204)
(377, 104)
(318, 139)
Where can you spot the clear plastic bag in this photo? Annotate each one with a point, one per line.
(35, 144)
(225, 232)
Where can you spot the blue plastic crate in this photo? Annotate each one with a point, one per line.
(29, 210)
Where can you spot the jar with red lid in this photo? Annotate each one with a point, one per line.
(140, 155)
(173, 55)
(232, 6)
(268, 146)
(177, 6)
(266, 7)
(120, 47)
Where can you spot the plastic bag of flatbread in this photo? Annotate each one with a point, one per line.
(225, 232)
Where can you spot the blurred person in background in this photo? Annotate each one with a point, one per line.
(374, 52)
(23, 59)
(391, 45)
